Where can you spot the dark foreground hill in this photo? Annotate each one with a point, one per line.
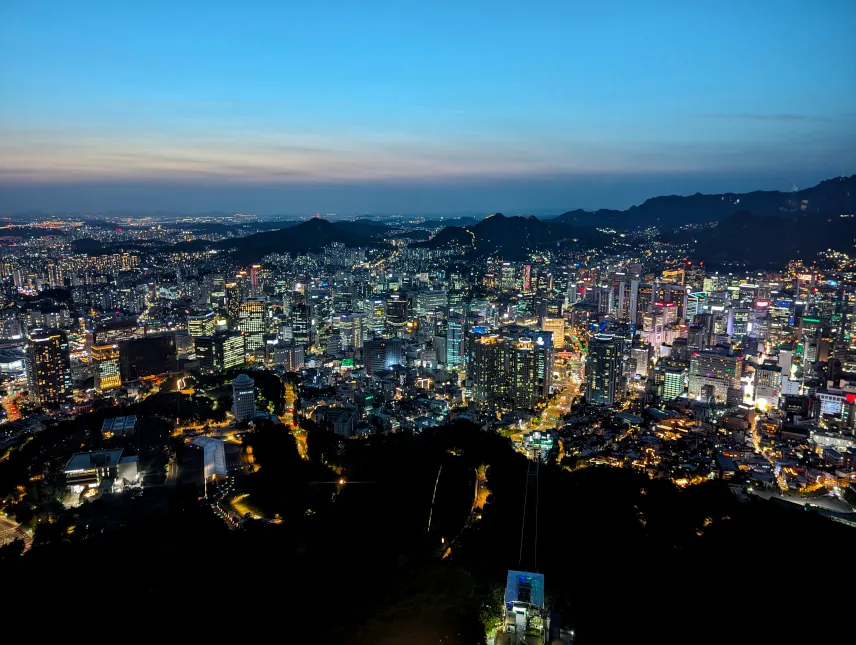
(512, 237)
(310, 236)
(756, 242)
(622, 555)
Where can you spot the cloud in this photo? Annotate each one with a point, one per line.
(760, 117)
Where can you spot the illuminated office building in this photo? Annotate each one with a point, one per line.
(251, 322)
(106, 361)
(301, 323)
(200, 324)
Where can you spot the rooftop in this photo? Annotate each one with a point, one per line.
(96, 459)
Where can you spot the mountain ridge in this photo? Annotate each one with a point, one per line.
(829, 197)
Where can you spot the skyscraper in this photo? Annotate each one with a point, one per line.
(603, 369)
(512, 369)
(351, 326)
(251, 321)
(454, 340)
(48, 368)
(220, 352)
(396, 311)
(301, 323)
(255, 285)
(488, 369)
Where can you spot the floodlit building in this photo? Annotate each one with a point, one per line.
(524, 604)
(674, 379)
(106, 470)
(557, 327)
(244, 398)
(214, 459)
(431, 301)
(768, 386)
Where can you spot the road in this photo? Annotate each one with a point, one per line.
(555, 407)
(826, 501)
(10, 530)
(10, 403)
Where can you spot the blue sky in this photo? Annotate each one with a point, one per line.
(409, 107)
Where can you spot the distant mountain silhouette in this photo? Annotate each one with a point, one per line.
(308, 236)
(512, 237)
(364, 227)
(767, 242)
(829, 197)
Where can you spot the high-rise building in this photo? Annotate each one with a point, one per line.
(147, 356)
(252, 320)
(642, 356)
(106, 361)
(381, 354)
(301, 323)
(221, 351)
(200, 323)
(716, 370)
(527, 369)
(603, 369)
(218, 291)
(557, 327)
(431, 301)
(488, 369)
(351, 327)
(291, 357)
(396, 310)
(243, 397)
(511, 369)
(375, 310)
(454, 341)
(768, 386)
(674, 379)
(255, 284)
(48, 368)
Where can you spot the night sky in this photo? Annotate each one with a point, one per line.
(386, 107)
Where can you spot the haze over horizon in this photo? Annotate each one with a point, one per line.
(381, 108)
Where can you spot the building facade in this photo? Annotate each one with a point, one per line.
(48, 368)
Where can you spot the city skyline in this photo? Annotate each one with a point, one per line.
(388, 109)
